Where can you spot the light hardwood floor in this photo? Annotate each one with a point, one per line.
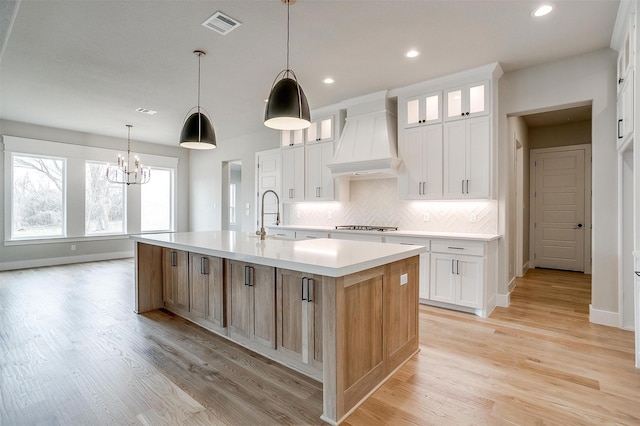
(72, 352)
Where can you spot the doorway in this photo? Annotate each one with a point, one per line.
(559, 200)
(231, 195)
(553, 128)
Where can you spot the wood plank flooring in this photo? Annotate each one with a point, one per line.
(72, 352)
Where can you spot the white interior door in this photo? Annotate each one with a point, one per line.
(560, 209)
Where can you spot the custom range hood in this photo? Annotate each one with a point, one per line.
(368, 146)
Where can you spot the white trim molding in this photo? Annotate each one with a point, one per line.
(37, 263)
(611, 319)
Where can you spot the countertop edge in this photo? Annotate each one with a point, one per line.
(333, 272)
(407, 233)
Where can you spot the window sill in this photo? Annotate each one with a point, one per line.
(58, 240)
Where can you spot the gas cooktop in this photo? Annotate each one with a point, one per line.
(366, 228)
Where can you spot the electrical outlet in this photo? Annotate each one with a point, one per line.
(404, 279)
(73, 247)
(472, 218)
(426, 216)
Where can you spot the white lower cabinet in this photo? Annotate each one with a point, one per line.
(463, 275)
(456, 279)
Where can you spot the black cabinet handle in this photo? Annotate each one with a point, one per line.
(453, 272)
(309, 289)
(620, 80)
(204, 265)
(619, 126)
(457, 267)
(302, 285)
(578, 226)
(246, 275)
(467, 113)
(467, 186)
(173, 258)
(462, 114)
(638, 273)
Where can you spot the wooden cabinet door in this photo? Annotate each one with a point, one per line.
(176, 278)
(198, 289)
(215, 291)
(238, 299)
(263, 304)
(401, 309)
(299, 316)
(290, 289)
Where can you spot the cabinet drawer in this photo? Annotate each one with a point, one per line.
(408, 240)
(473, 248)
(310, 235)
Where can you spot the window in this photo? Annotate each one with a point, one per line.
(156, 209)
(38, 192)
(104, 202)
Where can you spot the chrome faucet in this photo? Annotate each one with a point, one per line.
(262, 232)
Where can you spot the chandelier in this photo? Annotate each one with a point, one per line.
(123, 173)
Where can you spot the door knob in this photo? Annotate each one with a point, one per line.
(578, 226)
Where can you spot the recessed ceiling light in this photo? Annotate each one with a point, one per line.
(146, 111)
(412, 53)
(328, 80)
(545, 9)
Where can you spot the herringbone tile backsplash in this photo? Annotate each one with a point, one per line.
(375, 202)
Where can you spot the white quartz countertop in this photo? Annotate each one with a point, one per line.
(399, 233)
(322, 256)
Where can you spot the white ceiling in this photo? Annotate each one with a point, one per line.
(86, 65)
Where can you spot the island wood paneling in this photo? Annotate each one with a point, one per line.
(74, 353)
(149, 282)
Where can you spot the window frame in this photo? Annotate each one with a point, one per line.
(9, 210)
(76, 156)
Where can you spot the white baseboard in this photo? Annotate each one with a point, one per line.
(37, 263)
(525, 268)
(503, 300)
(596, 316)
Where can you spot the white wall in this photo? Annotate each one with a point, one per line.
(568, 82)
(205, 177)
(39, 253)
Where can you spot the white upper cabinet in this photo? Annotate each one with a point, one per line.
(467, 101)
(321, 130)
(291, 137)
(293, 174)
(467, 159)
(423, 109)
(319, 181)
(625, 56)
(422, 153)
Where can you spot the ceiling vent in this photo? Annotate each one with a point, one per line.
(221, 23)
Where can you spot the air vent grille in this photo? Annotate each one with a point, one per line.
(146, 111)
(221, 23)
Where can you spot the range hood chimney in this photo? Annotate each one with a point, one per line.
(368, 146)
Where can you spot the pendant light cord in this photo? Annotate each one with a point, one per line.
(199, 56)
(288, 4)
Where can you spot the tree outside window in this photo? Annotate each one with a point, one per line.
(38, 197)
(104, 202)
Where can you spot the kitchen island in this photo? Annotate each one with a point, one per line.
(343, 312)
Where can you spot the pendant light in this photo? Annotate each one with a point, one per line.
(287, 107)
(197, 131)
(123, 172)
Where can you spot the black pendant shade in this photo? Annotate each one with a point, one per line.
(197, 132)
(287, 107)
